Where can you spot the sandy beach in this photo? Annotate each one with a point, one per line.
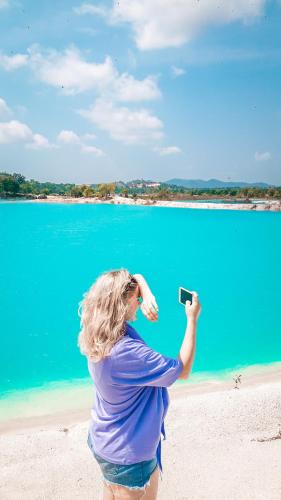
(222, 444)
(273, 206)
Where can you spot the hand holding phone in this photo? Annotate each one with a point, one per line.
(191, 303)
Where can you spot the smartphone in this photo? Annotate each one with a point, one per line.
(184, 295)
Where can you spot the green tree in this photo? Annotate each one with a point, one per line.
(19, 178)
(106, 190)
(25, 187)
(76, 192)
(88, 192)
(162, 193)
(10, 185)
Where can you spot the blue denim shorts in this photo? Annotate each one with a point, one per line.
(133, 476)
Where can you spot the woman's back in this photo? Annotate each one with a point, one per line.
(131, 400)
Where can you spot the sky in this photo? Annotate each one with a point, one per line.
(156, 89)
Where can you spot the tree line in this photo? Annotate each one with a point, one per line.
(16, 185)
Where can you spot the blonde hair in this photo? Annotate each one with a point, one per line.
(103, 313)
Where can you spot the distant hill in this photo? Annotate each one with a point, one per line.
(214, 183)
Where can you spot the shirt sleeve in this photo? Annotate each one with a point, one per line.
(138, 364)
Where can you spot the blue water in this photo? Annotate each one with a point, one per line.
(51, 253)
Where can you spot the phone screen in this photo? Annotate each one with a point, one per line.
(184, 295)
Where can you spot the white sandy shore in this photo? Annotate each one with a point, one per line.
(222, 444)
(274, 206)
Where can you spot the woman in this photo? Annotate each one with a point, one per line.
(131, 381)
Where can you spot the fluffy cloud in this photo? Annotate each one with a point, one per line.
(72, 74)
(123, 124)
(169, 150)
(40, 142)
(14, 131)
(171, 23)
(67, 70)
(4, 108)
(127, 88)
(177, 71)
(91, 150)
(262, 156)
(70, 137)
(9, 63)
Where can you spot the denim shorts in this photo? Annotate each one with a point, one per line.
(133, 476)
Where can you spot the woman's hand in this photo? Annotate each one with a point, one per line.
(149, 307)
(193, 310)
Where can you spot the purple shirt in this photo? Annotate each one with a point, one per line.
(131, 400)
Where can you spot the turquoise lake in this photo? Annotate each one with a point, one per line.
(51, 253)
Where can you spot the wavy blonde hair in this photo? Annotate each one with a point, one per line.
(103, 313)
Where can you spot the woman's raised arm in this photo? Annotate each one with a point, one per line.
(149, 305)
(187, 350)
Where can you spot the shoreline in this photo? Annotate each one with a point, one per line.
(272, 205)
(221, 443)
(59, 409)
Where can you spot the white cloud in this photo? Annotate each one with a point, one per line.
(262, 156)
(14, 131)
(68, 71)
(40, 142)
(72, 74)
(123, 124)
(171, 23)
(177, 71)
(9, 63)
(89, 8)
(127, 88)
(70, 137)
(4, 108)
(92, 150)
(169, 150)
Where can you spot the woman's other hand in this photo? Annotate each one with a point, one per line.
(149, 307)
(193, 310)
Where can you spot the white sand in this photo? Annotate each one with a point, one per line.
(272, 205)
(220, 446)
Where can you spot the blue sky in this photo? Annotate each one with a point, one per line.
(102, 91)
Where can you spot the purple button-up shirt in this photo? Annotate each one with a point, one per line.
(131, 400)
